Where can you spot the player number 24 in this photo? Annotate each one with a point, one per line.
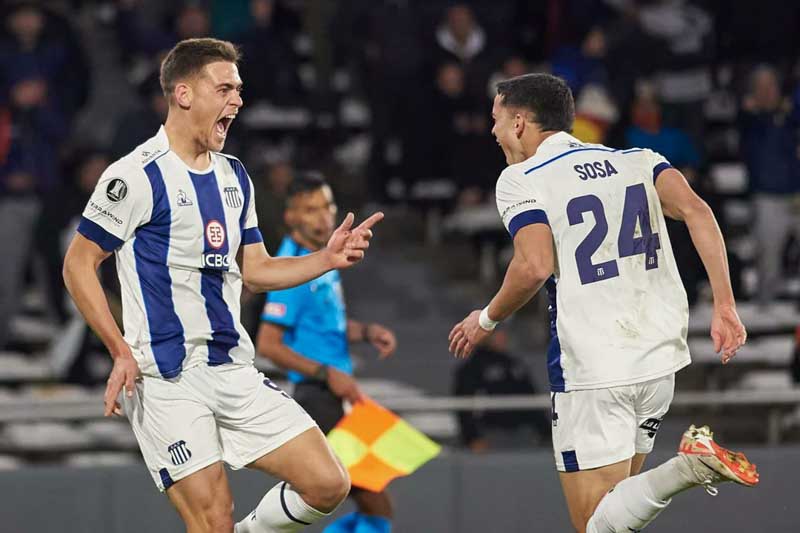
(635, 210)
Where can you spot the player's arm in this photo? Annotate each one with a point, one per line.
(269, 344)
(346, 247)
(81, 262)
(533, 263)
(680, 202)
(381, 337)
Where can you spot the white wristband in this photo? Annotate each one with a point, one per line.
(485, 322)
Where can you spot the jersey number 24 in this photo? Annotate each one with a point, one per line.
(635, 210)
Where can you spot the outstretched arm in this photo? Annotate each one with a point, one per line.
(680, 202)
(346, 247)
(532, 264)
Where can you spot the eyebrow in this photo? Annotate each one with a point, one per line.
(229, 85)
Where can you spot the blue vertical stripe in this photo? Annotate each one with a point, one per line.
(150, 250)
(224, 336)
(570, 461)
(554, 370)
(244, 184)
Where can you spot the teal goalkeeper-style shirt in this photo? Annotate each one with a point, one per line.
(313, 314)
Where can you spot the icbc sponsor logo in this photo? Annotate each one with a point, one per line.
(215, 234)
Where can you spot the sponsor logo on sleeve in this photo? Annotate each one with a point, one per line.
(510, 208)
(105, 213)
(116, 190)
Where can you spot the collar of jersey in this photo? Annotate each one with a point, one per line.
(162, 144)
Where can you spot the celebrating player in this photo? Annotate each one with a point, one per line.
(181, 220)
(306, 330)
(587, 222)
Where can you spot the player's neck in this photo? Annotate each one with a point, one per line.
(186, 146)
(531, 144)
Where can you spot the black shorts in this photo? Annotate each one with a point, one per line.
(320, 403)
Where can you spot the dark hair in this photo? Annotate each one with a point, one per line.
(305, 182)
(546, 96)
(189, 56)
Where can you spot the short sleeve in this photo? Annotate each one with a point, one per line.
(121, 202)
(248, 221)
(518, 202)
(250, 232)
(284, 307)
(658, 163)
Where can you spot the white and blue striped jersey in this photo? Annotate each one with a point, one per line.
(175, 233)
(618, 310)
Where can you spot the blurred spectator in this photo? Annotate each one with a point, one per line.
(60, 212)
(269, 64)
(492, 371)
(683, 77)
(388, 40)
(647, 130)
(141, 35)
(270, 188)
(462, 40)
(458, 139)
(512, 67)
(583, 65)
(769, 145)
(142, 122)
(595, 114)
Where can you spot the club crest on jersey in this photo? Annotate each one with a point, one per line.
(183, 200)
(215, 234)
(179, 452)
(232, 197)
(117, 190)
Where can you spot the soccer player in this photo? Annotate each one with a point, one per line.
(180, 218)
(305, 329)
(587, 222)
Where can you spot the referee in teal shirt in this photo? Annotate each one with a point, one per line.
(305, 330)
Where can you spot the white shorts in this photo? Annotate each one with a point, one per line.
(600, 427)
(207, 414)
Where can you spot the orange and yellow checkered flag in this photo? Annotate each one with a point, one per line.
(377, 446)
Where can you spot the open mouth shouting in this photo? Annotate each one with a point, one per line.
(223, 124)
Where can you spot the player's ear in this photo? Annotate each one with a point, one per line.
(519, 125)
(183, 95)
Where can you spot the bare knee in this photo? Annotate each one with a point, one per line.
(328, 490)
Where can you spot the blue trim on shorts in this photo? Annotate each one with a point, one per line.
(166, 480)
(570, 461)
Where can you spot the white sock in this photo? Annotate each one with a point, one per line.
(637, 501)
(281, 510)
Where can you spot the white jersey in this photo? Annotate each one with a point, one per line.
(176, 233)
(618, 309)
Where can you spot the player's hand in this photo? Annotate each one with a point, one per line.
(727, 332)
(466, 335)
(382, 339)
(123, 375)
(347, 245)
(344, 386)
